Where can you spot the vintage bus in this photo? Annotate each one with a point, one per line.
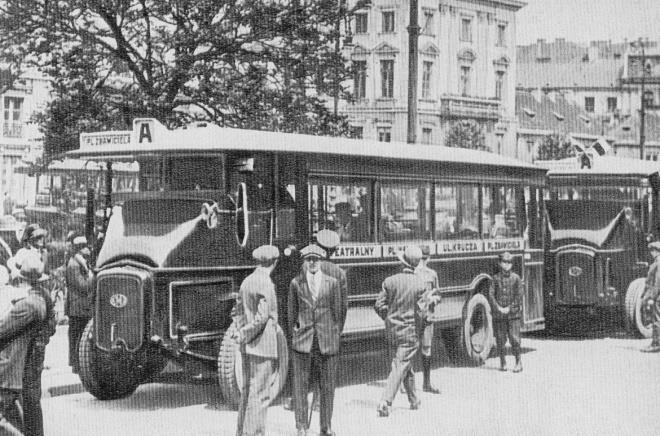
(174, 253)
(600, 218)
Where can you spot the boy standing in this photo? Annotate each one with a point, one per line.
(506, 298)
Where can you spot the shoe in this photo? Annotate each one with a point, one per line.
(518, 367)
(503, 367)
(415, 405)
(430, 389)
(327, 432)
(383, 410)
(651, 349)
(302, 432)
(287, 403)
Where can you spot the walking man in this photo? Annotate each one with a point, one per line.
(652, 297)
(24, 332)
(78, 306)
(256, 322)
(315, 310)
(397, 304)
(506, 299)
(427, 306)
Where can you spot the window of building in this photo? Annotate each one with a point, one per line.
(387, 78)
(465, 80)
(503, 212)
(13, 125)
(361, 23)
(530, 147)
(427, 69)
(343, 207)
(501, 35)
(456, 212)
(357, 132)
(589, 104)
(427, 135)
(385, 134)
(388, 21)
(405, 211)
(359, 79)
(611, 104)
(499, 84)
(428, 24)
(466, 29)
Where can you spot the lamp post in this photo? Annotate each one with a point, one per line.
(413, 37)
(642, 110)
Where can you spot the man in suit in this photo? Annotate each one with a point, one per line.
(78, 306)
(328, 241)
(256, 322)
(397, 303)
(315, 310)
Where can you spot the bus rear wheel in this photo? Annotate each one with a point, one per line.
(230, 367)
(472, 341)
(638, 318)
(103, 375)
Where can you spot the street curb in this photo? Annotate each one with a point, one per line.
(57, 391)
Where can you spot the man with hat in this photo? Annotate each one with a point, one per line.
(328, 241)
(427, 305)
(24, 332)
(78, 305)
(34, 241)
(256, 332)
(315, 308)
(397, 304)
(651, 297)
(506, 299)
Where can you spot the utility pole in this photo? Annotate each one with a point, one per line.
(413, 37)
(642, 110)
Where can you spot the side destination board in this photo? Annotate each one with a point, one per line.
(370, 251)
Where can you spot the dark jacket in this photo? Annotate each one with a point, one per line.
(336, 272)
(78, 286)
(506, 291)
(320, 317)
(397, 305)
(28, 319)
(256, 314)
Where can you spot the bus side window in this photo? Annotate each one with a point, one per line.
(405, 211)
(342, 207)
(456, 212)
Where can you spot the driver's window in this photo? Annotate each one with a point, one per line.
(456, 211)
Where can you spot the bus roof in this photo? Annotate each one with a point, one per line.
(602, 165)
(149, 138)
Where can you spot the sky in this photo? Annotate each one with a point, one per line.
(588, 20)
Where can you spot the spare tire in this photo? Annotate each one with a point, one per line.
(230, 367)
(638, 318)
(471, 342)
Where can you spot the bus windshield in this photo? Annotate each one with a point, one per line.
(583, 215)
(182, 173)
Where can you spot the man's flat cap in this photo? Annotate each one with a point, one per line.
(327, 239)
(266, 253)
(410, 256)
(506, 257)
(312, 250)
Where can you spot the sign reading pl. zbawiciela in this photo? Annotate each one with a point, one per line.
(100, 139)
(504, 244)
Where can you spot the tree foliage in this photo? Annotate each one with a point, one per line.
(466, 134)
(554, 147)
(240, 63)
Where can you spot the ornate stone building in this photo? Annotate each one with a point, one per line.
(467, 64)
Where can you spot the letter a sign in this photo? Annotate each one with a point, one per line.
(143, 130)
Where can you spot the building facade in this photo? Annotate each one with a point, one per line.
(21, 139)
(466, 70)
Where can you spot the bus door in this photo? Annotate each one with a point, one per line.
(533, 261)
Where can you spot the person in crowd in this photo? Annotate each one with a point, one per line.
(344, 223)
(34, 241)
(24, 333)
(256, 323)
(328, 241)
(506, 300)
(427, 306)
(397, 304)
(651, 297)
(78, 305)
(315, 310)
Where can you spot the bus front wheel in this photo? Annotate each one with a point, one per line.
(103, 375)
(638, 318)
(230, 367)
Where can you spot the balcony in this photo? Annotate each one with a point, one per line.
(469, 107)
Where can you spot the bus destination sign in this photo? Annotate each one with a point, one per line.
(95, 140)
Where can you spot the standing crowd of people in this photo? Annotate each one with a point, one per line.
(316, 311)
(28, 320)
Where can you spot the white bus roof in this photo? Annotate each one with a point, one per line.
(605, 165)
(149, 137)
